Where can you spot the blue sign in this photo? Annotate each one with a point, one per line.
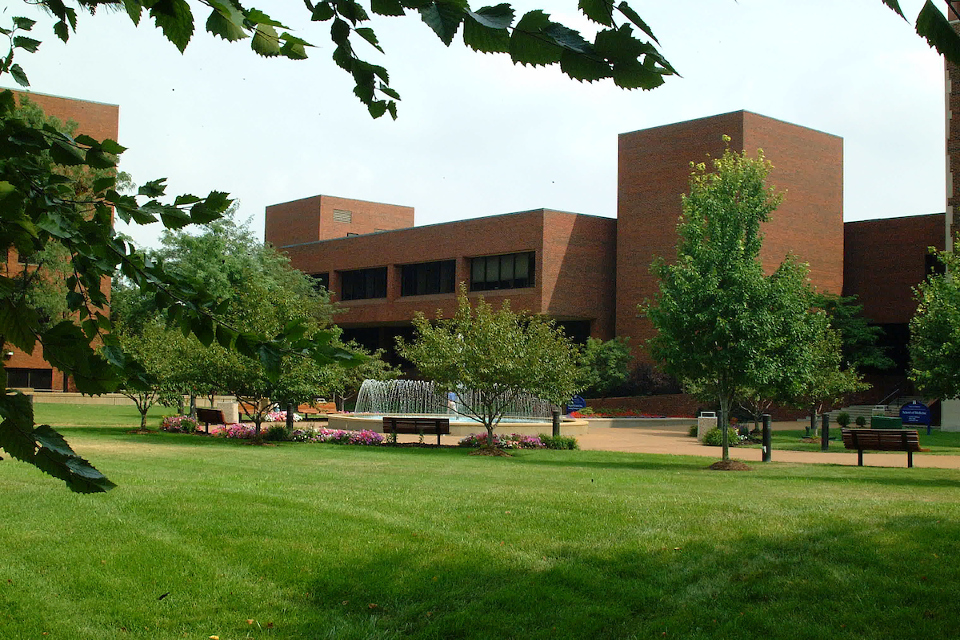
(576, 403)
(915, 413)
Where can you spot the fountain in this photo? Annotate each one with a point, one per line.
(377, 398)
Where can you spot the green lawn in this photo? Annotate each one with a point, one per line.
(321, 541)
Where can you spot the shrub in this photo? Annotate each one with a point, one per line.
(692, 432)
(714, 437)
(277, 432)
(843, 418)
(178, 424)
(861, 421)
(558, 442)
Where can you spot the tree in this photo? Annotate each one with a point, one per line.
(722, 325)
(858, 339)
(499, 356)
(605, 367)
(152, 349)
(935, 332)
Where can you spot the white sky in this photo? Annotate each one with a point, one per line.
(477, 136)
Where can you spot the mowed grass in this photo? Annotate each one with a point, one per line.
(209, 537)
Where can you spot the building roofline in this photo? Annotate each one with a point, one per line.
(326, 195)
(730, 113)
(449, 222)
(29, 93)
(909, 215)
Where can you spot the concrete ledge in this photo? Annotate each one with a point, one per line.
(600, 423)
(359, 422)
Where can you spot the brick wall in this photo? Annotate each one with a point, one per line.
(885, 259)
(654, 170)
(311, 219)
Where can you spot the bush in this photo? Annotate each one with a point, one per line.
(843, 418)
(558, 442)
(693, 431)
(714, 437)
(178, 424)
(861, 421)
(236, 432)
(277, 432)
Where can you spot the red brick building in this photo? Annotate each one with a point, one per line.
(589, 273)
(99, 121)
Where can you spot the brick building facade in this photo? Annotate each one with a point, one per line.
(99, 121)
(587, 272)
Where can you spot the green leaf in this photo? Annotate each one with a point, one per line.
(367, 34)
(584, 67)
(133, 8)
(202, 328)
(266, 41)
(175, 19)
(322, 12)
(19, 76)
(18, 322)
(99, 160)
(56, 458)
(260, 18)
(6, 189)
(66, 153)
(104, 183)
(185, 199)
(226, 21)
(600, 11)
(527, 45)
(635, 18)
(934, 26)
(270, 358)
(480, 36)
(386, 7)
(61, 31)
(895, 6)
(174, 218)
(388, 91)
(25, 43)
(112, 146)
(444, 18)
(24, 23)
(153, 188)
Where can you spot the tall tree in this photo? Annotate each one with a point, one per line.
(858, 338)
(935, 332)
(499, 356)
(605, 367)
(722, 325)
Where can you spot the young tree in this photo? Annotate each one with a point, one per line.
(722, 325)
(935, 332)
(605, 367)
(498, 355)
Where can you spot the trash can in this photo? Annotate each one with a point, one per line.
(707, 420)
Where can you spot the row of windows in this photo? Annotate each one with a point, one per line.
(29, 378)
(487, 273)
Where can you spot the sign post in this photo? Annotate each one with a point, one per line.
(916, 413)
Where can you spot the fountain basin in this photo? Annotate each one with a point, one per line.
(460, 426)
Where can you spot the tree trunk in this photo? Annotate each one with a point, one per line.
(143, 417)
(193, 405)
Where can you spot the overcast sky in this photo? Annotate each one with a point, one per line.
(478, 136)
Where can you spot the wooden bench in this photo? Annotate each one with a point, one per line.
(882, 440)
(417, 425)
(207, 416)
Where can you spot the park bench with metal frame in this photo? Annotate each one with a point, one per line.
(418, 426)
(882, 440)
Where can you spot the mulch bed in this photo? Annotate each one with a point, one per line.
(729, 465)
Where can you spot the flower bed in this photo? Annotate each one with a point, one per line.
(281, 416)
(178, 424)
(506, 441)
(337, 436)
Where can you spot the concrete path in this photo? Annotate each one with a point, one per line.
(673, 440)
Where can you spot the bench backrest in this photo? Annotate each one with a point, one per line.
(881, 439)
(211, 415)
(416, 425)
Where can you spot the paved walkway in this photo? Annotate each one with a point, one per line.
(675, 441)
